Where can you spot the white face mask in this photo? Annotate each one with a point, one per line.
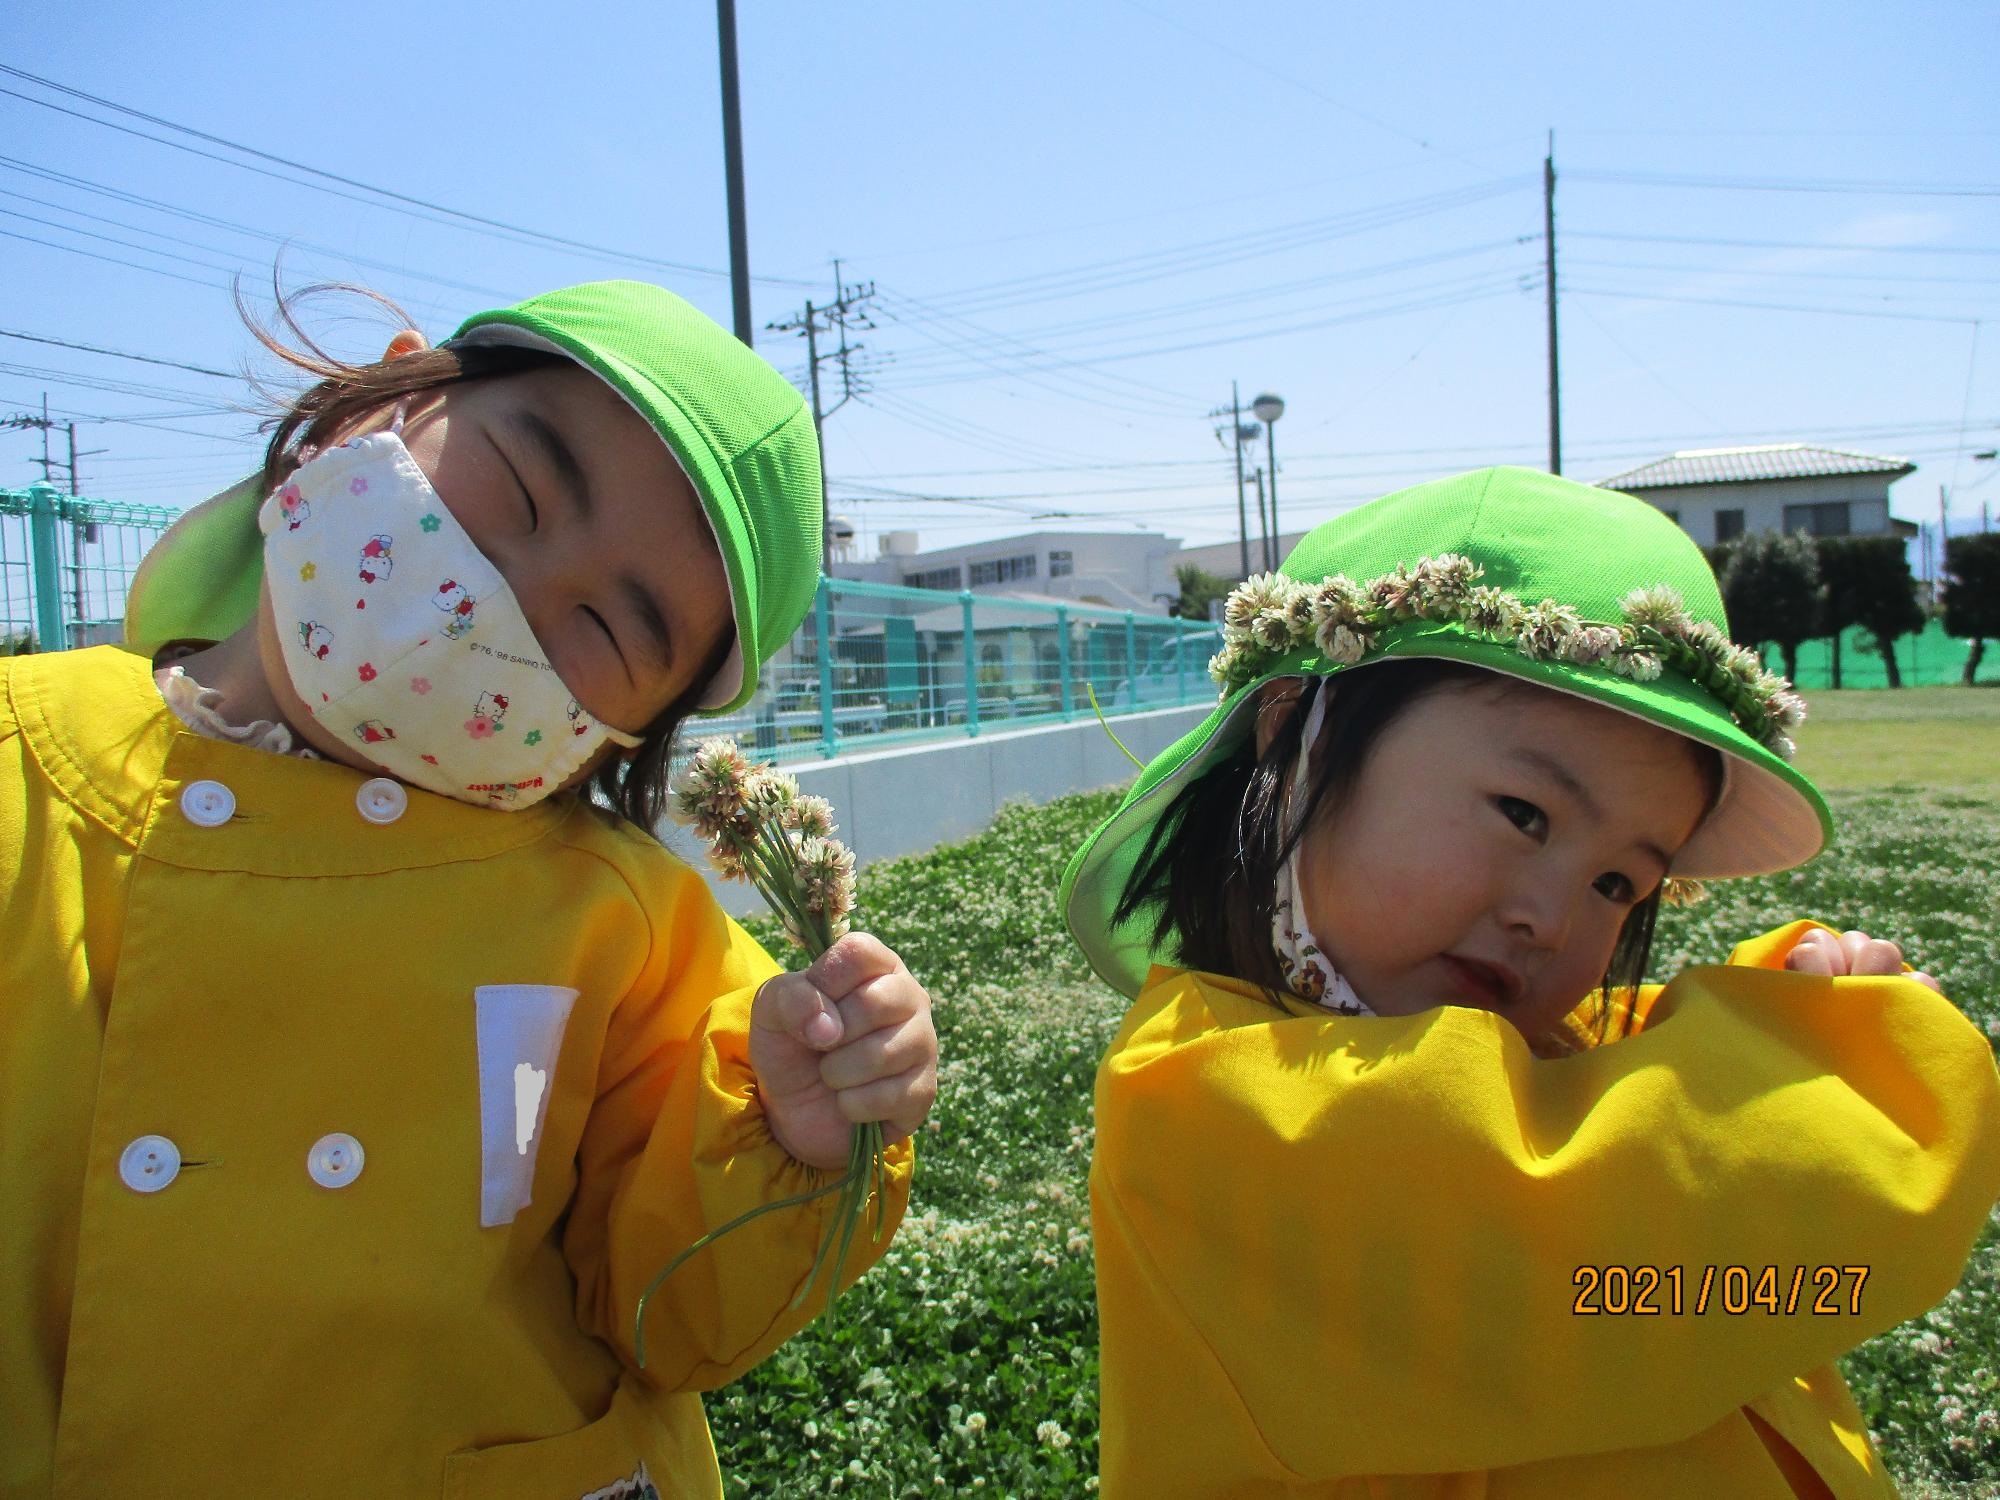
(405, 642)
(1308, 972)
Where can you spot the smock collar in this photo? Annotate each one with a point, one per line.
(97, 727)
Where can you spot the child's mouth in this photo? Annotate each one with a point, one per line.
(1489, 986)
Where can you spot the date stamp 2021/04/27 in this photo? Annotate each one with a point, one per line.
(1671, 1291)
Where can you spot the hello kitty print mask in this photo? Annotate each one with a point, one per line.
(403, 640)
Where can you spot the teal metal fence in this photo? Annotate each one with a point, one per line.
(66, 564)
(877, 665)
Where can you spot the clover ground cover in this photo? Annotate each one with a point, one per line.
(966, 1362)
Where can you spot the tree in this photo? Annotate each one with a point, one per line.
(1868, 584)
(1972, 593)
(1772, 592)
(1198, 587)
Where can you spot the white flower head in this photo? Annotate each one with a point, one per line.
(1657, 608)
(811, 817)
(1493, 613)
(1592, 645)
(1255, 595)
(1545, 630)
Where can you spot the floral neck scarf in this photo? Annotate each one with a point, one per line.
(1308, 972)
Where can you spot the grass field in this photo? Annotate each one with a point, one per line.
(966, 1363)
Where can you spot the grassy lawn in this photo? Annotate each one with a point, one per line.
(967, 1363)
(1934, 736)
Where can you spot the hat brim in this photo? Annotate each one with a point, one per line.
(1768, 817)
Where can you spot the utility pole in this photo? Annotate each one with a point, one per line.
(1549, 276)
(732, 159)
(1263, 526)
(849, 302)
(1234, 411)
(79, 531)
(1937, 582)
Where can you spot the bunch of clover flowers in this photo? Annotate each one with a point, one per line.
(762, 829)
(1270, 615)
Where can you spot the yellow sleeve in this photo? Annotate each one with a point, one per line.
(678, 1145)
(1363, 1237)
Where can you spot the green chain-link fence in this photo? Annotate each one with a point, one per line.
(66, 564)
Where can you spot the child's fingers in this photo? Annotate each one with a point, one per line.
(1818, 952)
(900, 1103)
(886, 1053)
(1867, 955)
(879, 1003)
(793, 1005)
(853, 960)
(1926, 981)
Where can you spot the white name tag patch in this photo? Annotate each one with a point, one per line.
(520, 1029)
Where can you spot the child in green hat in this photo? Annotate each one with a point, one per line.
(361, 1068)
(1405, 1185)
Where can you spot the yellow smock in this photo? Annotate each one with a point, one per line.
(286, 994)
(1344, 1257)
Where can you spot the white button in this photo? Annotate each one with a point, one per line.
(207, 804)
(149, 1163)
(335, 1160)
(381, 800)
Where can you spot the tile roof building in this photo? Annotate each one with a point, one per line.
(1717, 494)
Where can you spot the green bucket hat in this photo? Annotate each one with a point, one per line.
(736, 426)
(1583, 590)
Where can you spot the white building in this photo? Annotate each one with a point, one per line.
(1116, 570)
(1718, 494)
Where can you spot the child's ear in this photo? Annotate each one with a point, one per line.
(1276, 702)
(407, 341)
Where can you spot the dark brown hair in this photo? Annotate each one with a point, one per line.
(1229, 822)
(633, 785)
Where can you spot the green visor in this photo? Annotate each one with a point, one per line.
(1536, 537)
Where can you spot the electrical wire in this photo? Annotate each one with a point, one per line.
(419, 207)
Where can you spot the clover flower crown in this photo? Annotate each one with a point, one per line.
(1269, 616)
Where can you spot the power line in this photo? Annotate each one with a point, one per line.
(1736, 244)
(1782, 185)
(421, 207)
(284, 242)
(144, 359)
(1844, 312)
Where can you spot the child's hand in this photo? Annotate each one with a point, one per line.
(843, 1042)
(1849, 953)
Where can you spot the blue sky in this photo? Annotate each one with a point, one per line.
(1083, 221)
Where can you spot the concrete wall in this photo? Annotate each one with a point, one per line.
(892, 802)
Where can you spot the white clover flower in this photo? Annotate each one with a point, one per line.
(1640, 666)
(1590, 645)
(1051, 1435)
(1494, 613)
(1444, 585)
(1705, 638)
(1657, 608)
(1395, 593)
(811, 817)
(1546, 629)
(1272, 629)
(1254, 596)
(975, 1422)
(1343, 645)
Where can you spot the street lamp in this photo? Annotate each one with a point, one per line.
(1268, 408)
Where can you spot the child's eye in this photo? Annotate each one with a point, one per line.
(601, 625)
(1525, 816)
(1615, 887)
